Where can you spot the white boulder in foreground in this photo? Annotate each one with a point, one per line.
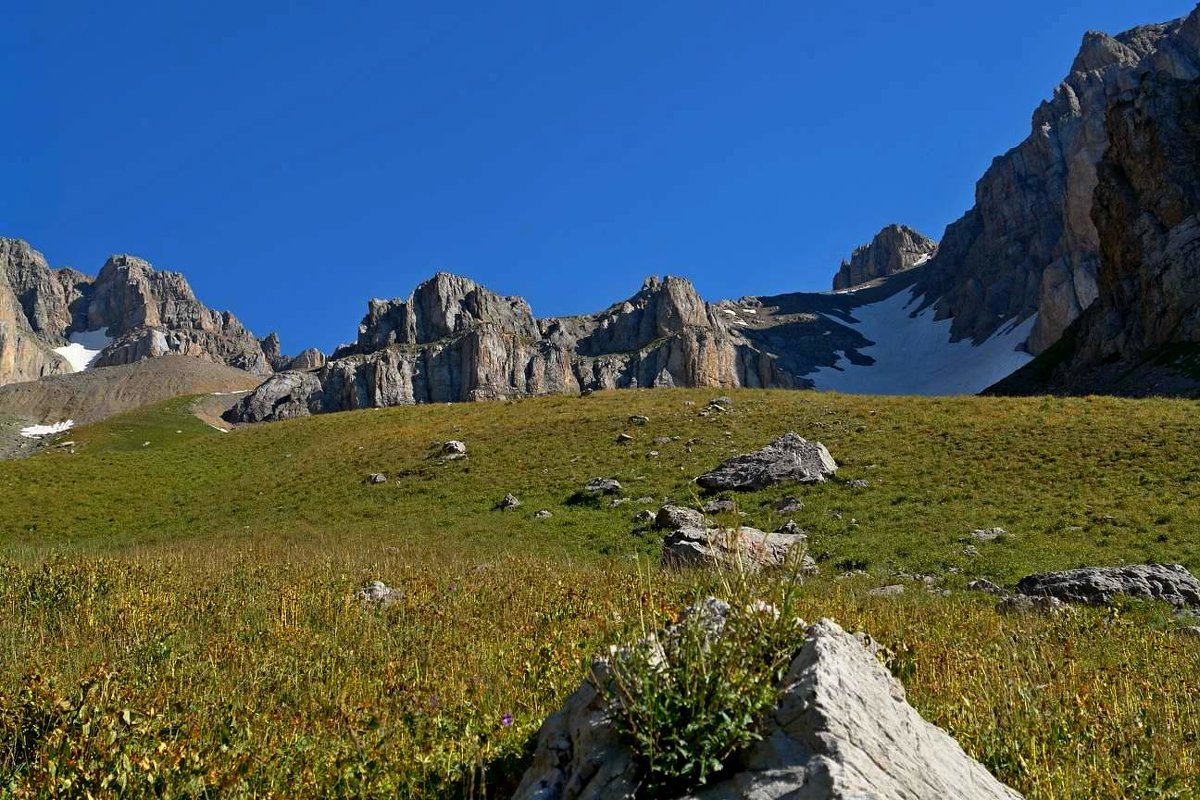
(842, 730)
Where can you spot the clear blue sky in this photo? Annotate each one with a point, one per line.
(295, 159)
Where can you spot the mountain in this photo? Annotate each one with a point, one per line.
(1142, 335)
(55, 322)
(894, 249)
(1030, 246)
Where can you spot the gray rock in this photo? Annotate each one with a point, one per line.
(543, 514)
(982, 585)
(662, 440)
(719, 507)
(894, 249)
(509, 501)
(285, 395)
(745, 549)
(841, 730)
(673, 518)
(308, 359)
(789, 458)
(792, 529)
(454, 448)
(378, 593)
(638, 419)
(644, 516)
(598, 486)
(789, 505)
(887, 591)
(988, 534)
(377, 477)
(1170, 583)
(858, 483)
(624, 438)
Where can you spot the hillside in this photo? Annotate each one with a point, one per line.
(203, 581)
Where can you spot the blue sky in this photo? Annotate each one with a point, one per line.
(295, 159)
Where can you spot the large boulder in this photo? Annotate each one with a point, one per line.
(1098, 585)
(788, 459)
(746, 549)
(841, 729)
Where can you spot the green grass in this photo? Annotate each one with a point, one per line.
(202, 583)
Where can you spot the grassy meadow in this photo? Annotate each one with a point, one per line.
(177, 615)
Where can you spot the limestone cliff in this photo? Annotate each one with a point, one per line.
(894, 249)
(1030, 244)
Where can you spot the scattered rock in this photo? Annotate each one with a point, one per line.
(1025, 604)
(673, 518)
(981, 585)
(858, 483)
(509, 501)
(597, 486)
(662, 440)
(971, 551)
(887, 591)
(652, 454)
(988, 534)
(1170, 583)
(840, 729)
(789, 458)
(454, 448)
(792, 529)
(719, 507)
(644, 516)
(624, 438)
(543, 514)
(378, 593)
(741, 548)
(638, 419)
(644, 500)
(377, 477)
(789, 505)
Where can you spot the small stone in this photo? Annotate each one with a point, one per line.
(509, 501)
(378, 593)
(792, 529)
(602, 486)
(454, 448)
(644, 500)
(673, 518)
(377, 477)
(988, 534)
(644, 516)
(719, 507)
(638, 419)
(662, 440)
(887, 591)
(981, 585)
(789, 458)
(543, 514)
(624, 438)
(652, 454)
(971, 551)
(789, 505)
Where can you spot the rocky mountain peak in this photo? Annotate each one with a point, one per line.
(442, 307)
(894, 249)
(1099, 50)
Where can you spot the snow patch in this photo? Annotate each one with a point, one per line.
(729, 311)
(84, 348)
(38, 431)
(914, 354)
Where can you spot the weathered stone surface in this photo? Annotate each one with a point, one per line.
(285, 395)
(988, 534)
(719, 507)
(377, 477)
(675, 517)
(542, 514)
(842, 730)
(311, 358)
(983, 585)
(1142, 336)
(788, 459)
(454, 448)
(747, 549)
(378, 593)
(603, 486)
(1170, 583)
(1030, 245)
(887, 591)
(894, 249)
(509, 501)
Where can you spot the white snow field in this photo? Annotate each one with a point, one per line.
(84, 348)
(38, 431)
(914, 355)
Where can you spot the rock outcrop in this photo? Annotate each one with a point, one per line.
(1142, 336)
(789, 459)
(894, 249)
(1030, 245)
(1170, 583)
(453, 340)
(841, 729)
(140, 312)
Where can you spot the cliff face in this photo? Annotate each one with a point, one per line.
(1030, 244)
(454, 340)
(1142, 335)
(145, 313)
(894, 249)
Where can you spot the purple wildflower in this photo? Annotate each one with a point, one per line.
(506, 720)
